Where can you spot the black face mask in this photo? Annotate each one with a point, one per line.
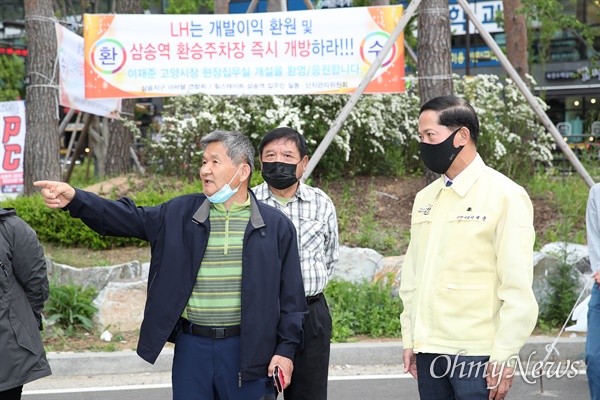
(439, 157)
(279, 175)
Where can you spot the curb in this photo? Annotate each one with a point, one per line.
(360, 353)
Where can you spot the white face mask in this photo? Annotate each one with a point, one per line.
(225, 192)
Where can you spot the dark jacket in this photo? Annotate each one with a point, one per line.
(273, 302)
(23, 291)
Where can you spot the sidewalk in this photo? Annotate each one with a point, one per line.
(359, 353)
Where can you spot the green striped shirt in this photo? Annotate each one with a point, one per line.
(216, 298)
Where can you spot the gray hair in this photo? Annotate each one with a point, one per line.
(239, 148)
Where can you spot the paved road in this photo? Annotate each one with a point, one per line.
(348, 383)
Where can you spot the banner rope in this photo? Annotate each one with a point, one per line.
(432, 77)
(432, 11)
(41, 18)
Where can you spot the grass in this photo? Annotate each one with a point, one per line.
(362, 227)
(567, 195)
(82, 258)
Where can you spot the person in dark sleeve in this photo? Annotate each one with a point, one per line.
(23, 291)
(224, 284)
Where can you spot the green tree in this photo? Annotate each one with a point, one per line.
(190, 6)
(549, 17)
(12, 72)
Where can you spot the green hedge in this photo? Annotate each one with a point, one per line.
(58, 227)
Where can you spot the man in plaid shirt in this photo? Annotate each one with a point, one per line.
(283, 158)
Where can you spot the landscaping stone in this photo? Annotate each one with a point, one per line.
(121, 306)
(122, 288)
(97, 277)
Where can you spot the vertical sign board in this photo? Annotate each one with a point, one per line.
(12, 126)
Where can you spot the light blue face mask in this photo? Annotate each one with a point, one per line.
(225, 193)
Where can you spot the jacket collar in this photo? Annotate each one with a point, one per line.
(4, 212)
(256, 219)
(302, 193)
(467, 177)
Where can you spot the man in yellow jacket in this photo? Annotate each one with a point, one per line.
(467, 277)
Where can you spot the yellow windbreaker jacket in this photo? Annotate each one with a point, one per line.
(468, 272)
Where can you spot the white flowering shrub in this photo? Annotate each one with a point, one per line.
(378, 138)
(511, 137)
(176, 151)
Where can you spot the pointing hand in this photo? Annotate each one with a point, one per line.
(56, 194)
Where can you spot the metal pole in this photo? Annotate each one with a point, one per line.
(410, 52)
(512, 73)
(314, 160)
(252, 6)
(467, 49)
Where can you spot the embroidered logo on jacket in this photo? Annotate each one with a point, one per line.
(426, 210)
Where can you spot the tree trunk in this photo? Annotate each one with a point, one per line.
(434, 56)
(276, 5)
(222, 7)
(42, 142)
(120, 139)
(99, 134)
(515, 27)
(118, 159)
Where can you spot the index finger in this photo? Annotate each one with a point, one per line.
(45, 184)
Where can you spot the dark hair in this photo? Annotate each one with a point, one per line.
(454, 113)
(287, 134)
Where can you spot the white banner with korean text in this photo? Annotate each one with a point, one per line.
(12, 126)
(71, 77)
(300, 52)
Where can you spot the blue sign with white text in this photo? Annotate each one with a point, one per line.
(479, 57)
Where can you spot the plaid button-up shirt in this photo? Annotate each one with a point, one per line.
(314, 217)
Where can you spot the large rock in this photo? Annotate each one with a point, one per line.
(573, 254)
(391, 268)
(357, 264)
(121, 291)
(547, 264)
(120, 305)
(97, 277)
